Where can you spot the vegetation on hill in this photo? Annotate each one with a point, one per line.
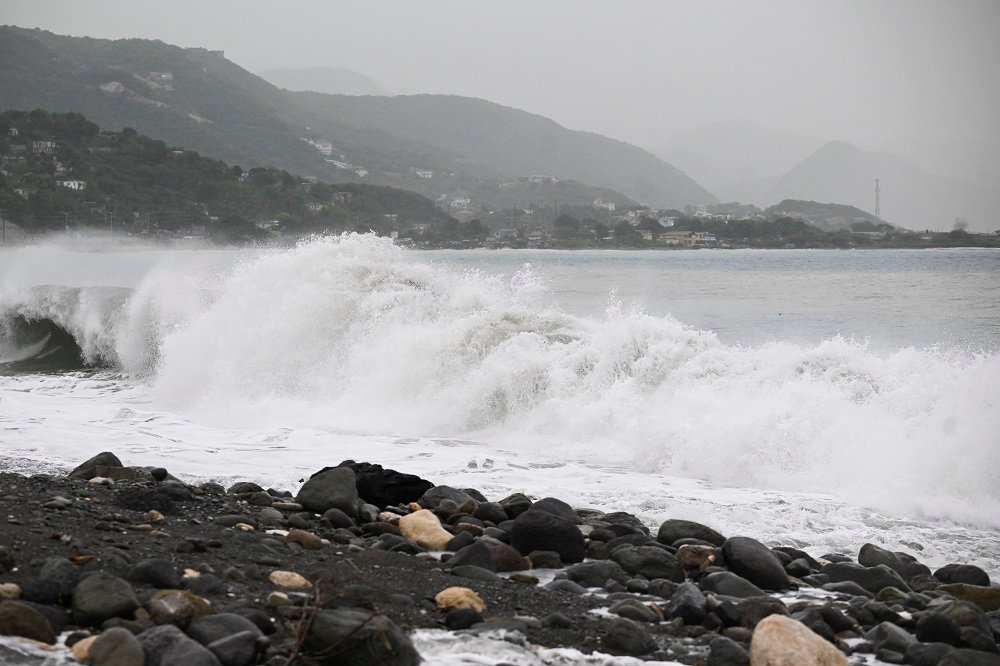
(60, 171)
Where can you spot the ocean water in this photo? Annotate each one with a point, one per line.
(821, 399)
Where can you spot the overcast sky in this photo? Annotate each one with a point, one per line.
(868, 71)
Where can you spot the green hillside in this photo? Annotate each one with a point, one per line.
(60, 171)
(441, 146)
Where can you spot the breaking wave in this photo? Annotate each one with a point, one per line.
(356, 335)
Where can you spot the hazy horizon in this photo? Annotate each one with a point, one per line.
(872, 73)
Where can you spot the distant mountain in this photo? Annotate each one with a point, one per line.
(440, 146)
(725, 156)
(330, 80)
(910, 196)
(828, 216)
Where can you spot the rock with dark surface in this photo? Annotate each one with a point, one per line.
(155, 572)
(754, 609)
(688, 603)
(101, 596)
(506, 557)
(476, 554)
(434, 497)
(116, 646)
(963, 573)
(88, 469)
(633, 609)
(927, 654)
(167, 645)
(349, 636)
(596, 573)
(872, 579)
(54, 584)
(627, 637)
(491, 512)
(239, 649)
(965, 657)
(18, 619)
(216, 626)
(937, 628)
(556, 507)
(515, 504)
(333, 488)
(886, 635)
(987, 598)
(724, 651)
(754, 561)
(729, 584)
(674, 529)
(904, 564)
(649, 561)
(386, 487)
(847, 587)
(541, 530)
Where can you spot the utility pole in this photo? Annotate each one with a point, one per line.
(878, 192)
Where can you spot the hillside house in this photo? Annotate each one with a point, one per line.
(43, 147)
(78, 185)
(677, 238)
(424, 173)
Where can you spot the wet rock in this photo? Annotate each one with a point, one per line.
(173, 608)
(88, 469)
(566, 585)
(724, 651)
(544, 559)
(754, 561)
(936, 628)
(424, 528)
(461, 618)
(627, 637)
(386, 487)
(674, 529)
(649, 561)
(542, 530)
(556, 507)
(101, 596)
(782, 641)
(962, 573)
(216, 626)
(244, 488)
(116, 647)
(18, 619)
(594, 574)
(338, 518)
(333, 488)
(348, 636)
(433, 497)
(155, 572)
(688, 603)
(506, 557)
(729, 584)
(239, 649)
(167, 645)
(904, 564)
(634, 609)
(754, 609)
(966, 657)
(927, 654)
(515, 505)
(886, 635)
(476, 554)
(872, 579)
(987, 598)
(847, 587)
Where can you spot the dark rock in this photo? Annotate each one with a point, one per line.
(476, 554)
(902, 563)
(54, 584)
(461, 618)
(621, 518)
(433, 497)
(474, 573)
(634, 609)
(927, 654)
(541, 530)
(491, 512)
(210, 628)
(974, 639)
(386, 487)
(545, 559)
(17, 619)
(506, 557)
(474, 494)
(155, 572)
(88, 469)
(729, 584)
(966, 614)
(963, 573)
(144, 499)
(239, 649)
(116, 646)
(556, 507)
(159, 473)
(566, 585)
(594, 574)
(812, 617)
(674, 529)
(798, 568)
(724, 651)
(687, 603)
(936, 628)
(557, 620)
(888, 656)
(460, 541)
(728, 612)
(754, 609)
(258, 617)
(835, 619)
(649, 561)
(627, 637)
(348, 636)
(333, 488)
(101, 596)
(515, 505)
(754, 561)
(847, 587)
(890, 637)
(167, 645)
(966, 657)
(244, 488)
(634, 539)
(872, 579)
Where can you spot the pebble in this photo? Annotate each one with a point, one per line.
(289, 580)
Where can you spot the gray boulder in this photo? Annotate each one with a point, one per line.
(215, 626)
(729, 584)
(872, 579)
(754, 561)
(674, 529)
(17, 619)
(166, 645)
(102, 596)
(359, 638)
(649, 561)
(117, 646)
(333, 488)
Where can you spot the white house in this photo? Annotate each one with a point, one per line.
(78, 185)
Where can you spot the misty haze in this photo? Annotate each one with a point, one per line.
(536, 333)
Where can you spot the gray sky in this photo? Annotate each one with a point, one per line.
(868, 71)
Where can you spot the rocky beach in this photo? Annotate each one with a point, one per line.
(119, 565)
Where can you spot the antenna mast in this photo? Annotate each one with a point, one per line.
(878, 192)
